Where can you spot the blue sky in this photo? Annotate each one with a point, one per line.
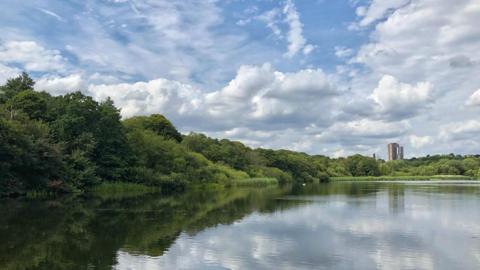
(59, 25)
(327, 77)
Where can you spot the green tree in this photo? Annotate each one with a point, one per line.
(82, 124)
(34, 104)
(156, 123)
(358, 165)
(15, 86)
(28, 158)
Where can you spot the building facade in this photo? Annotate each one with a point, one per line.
(395, 151)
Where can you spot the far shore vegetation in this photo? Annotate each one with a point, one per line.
(74, 144)
(402, 178)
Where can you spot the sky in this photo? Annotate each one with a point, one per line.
(329, 77)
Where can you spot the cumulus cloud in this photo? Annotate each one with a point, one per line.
(420, 141)
(252, 107)
(467, 130)
(401, 100)
(7, 72)
(474, 99)
(428, 41)
(424, 39)
(273, 98)
(61, 85)
(171, 98)
(415, 71)
(363, 131)
(32, 56)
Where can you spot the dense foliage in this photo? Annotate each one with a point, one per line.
(73, 143)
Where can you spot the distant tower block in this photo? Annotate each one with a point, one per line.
(392, 151)
(395, 151)
(374, 156)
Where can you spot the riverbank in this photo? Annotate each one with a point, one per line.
(256, 182)
(123, 189)
(402, 178)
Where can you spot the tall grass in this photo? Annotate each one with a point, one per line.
(402, 178)
(40, 194)
(122, 190)
(256, 182)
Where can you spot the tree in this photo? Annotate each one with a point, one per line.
(358, 165)
(15, 86)
(82, 124)
(112, 154)
(32, 103)
(156, 123)
(29, 160)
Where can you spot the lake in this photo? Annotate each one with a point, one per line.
(342, 225)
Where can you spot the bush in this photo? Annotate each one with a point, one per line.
(269, 172)
(323, 177)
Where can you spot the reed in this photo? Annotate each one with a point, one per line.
(258, 181)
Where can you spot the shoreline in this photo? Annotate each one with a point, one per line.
(403, 178)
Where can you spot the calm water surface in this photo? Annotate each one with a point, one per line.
(402, 225)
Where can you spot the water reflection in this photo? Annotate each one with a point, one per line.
(332, 226)
(396, 200)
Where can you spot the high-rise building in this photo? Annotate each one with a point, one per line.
(395, 151)
(392, 151)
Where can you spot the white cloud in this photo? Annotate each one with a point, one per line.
(171, 98)
(186, 64)
(61, 85)
(343, 52)
(257, 103)
(296, 40)
(290, 18)
(401, 100)
(169, 38)
(51, 13)
(32, 56)
(377, 10)
(422, 39)
(428, 41)
(474, 99)
(272, 19)
(420, 141)
(361, 131)
(7, 72)
(466, 130)
(259, 93)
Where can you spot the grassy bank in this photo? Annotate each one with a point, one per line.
(256, 182)
(122, 189)
(402, 178)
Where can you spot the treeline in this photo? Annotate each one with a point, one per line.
(450, 164)
(72, 143)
